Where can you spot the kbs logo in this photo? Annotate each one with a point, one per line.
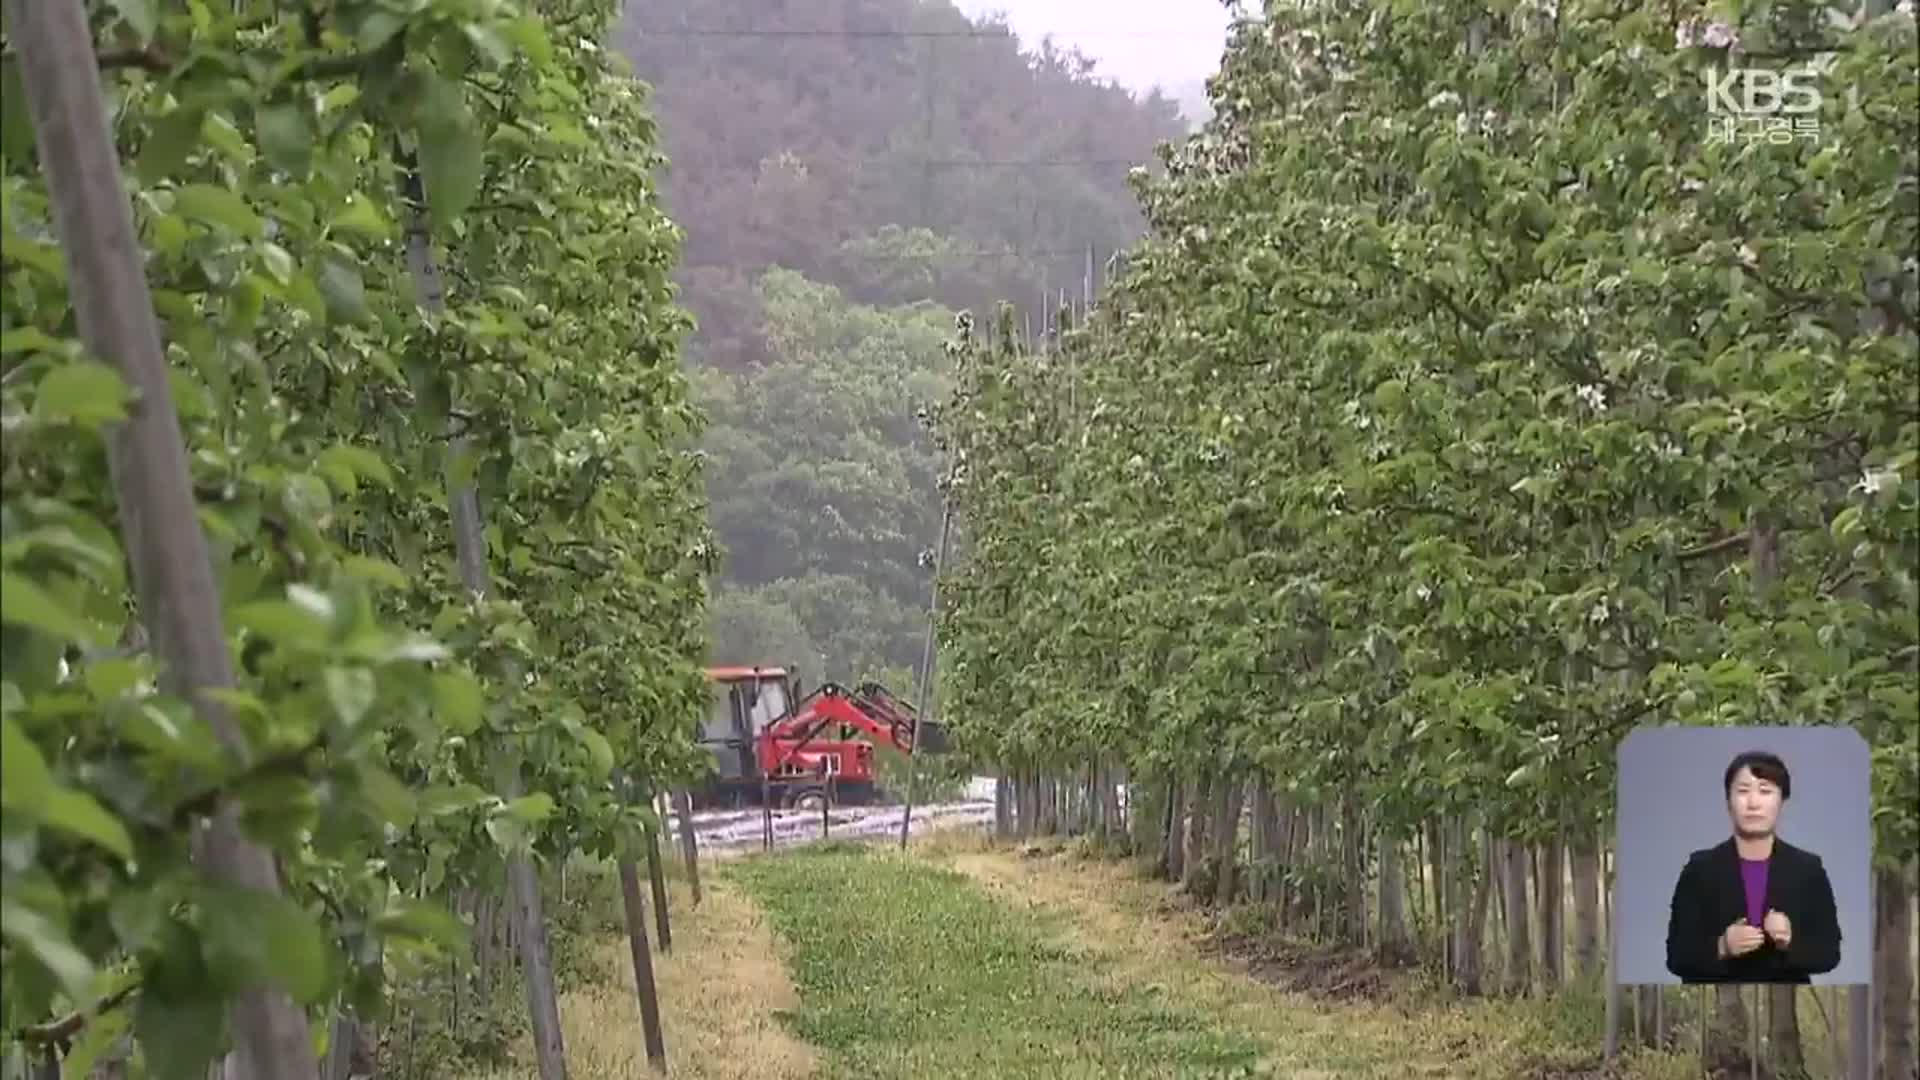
(1754, 104)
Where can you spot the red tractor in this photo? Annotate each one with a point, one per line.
(801, 754)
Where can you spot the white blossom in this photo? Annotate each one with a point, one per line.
(1874, 481)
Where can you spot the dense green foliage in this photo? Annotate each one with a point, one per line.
(1466, 408)
(820, 478)
(268, 157)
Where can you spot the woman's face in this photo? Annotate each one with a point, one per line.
(1753, 804)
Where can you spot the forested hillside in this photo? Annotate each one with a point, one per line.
(895, 162)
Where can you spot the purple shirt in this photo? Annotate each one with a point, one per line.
(1753, 873)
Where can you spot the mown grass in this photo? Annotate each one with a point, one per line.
(910, 970)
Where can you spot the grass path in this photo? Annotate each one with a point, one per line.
(908, 970)
(1137, 934)
(957, 960)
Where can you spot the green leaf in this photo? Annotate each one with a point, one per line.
(78, 813)
(84, 392)
(286, 138)
(358, 461)
(452, 151)
(362, 218)
(390, 798)
(96, 1038)
(283, 621)
(459, 701)
(531, 809)
(38, 937)
(219, 206)
(599, 752)
(171, 139)
(254, 938)
(179, 1035)
(352, 691)
(25, 780)
(345, 293)
(143, 18)
(423, 922)
(379, 571)
(24, 603)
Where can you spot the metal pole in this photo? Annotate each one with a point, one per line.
(923, 695)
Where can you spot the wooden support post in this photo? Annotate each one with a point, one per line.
(642, 965)
(657, 877)
(689, 844)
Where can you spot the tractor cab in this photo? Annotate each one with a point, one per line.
(745, 701)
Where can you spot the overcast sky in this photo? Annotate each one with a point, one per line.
(1138, 42)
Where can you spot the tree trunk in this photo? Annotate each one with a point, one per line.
(1549, 889)
(528, 929)
(1396, 946)
(1198, 807)
(689, 843)
(1444, 909)
(1471, 893)
(1173, 840)
(1260, 830)
(1002, 809)
(1728, 1047)
(1114, 826)
(636, 911)
(1787, 1054)
(1586, 909)
(1519, 946)
(1353, 901)
(1225, 840)
(657, 878)
(542, 1004)
(1893, 974)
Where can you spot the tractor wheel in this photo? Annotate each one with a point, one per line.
(812, 799)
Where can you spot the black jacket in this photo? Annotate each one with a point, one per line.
(1709, 897)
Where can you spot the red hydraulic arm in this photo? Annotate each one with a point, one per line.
(792, 743)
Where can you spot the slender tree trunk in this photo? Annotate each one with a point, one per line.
(1259, 838)
(1353, 871)
(1550, 891)
(1586, 909)
(689, 843)
(1002, 809)
(1893, 974)
(643, 983)
(1174, 833)
(1195, 861)
(1115, 825)
(1785, 1049)
(1395, 943)
(1471, 892)
(1728, 1045)
(657, 878)
(1445, 912)
(1519, 946)
(543, 1005)
(1225, 839)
